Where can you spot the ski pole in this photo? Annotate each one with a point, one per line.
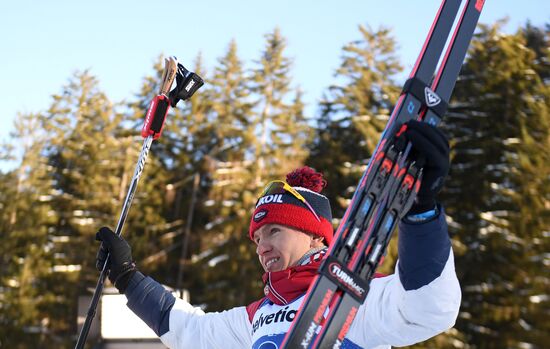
(187, 84)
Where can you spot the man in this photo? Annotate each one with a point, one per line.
(291, 227)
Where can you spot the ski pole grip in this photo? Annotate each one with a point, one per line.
(156, 114)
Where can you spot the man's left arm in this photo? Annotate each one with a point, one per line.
(421, 299)
(423, 248)
(426, 272)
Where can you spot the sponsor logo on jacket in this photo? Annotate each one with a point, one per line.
(283, 315)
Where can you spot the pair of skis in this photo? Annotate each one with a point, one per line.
(187, 83)
(387, 189)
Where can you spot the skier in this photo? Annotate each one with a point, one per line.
(291, 227)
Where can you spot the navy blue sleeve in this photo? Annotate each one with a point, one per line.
(423, 251)
(150, 301)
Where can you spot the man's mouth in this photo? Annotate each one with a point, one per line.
(269, 262)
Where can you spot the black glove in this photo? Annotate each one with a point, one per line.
(121, 265)
(430, 148)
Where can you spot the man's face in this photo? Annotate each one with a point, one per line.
(279, 247)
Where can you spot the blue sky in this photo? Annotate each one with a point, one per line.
(43, 42)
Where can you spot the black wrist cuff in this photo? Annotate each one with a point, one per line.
(124, 276)
(422, 217)
(422, 206)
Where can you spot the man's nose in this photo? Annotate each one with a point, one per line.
(263, 247)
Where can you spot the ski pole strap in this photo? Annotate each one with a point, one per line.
(156, 114)
(187, 83)
(427, 97)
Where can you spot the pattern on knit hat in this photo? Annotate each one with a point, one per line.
(287, 210)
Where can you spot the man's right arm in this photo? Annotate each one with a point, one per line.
(180, 325)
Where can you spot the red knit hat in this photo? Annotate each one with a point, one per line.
(286, 209)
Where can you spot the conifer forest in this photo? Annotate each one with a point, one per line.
(188, 226)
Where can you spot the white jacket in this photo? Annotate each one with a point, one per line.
(419, 301)
(390, 316)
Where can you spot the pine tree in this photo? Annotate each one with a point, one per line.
(532, 186)
(256, 121)
(498, 192)
(83, 167)
(260, 131)
(537, 39)
(354, 112)
(282, 129)
(25, 248)
(226, 254)
(160, 215)
(232, 108)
